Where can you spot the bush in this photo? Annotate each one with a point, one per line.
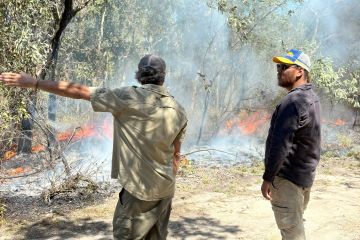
(354, 153)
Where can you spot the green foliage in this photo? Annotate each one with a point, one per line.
(104, 41)
(264, 24)
(26, 27)
(107, 35)
(259, 23)
(341, 84)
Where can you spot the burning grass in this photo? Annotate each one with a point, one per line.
(66, 212)
(101, 131)
(72, 194)
(248, 123)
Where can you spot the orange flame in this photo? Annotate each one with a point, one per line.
(248, 123)
(88, 130)
(12, 153)
(19, 170)
(339, 122)
(9, 154)
(38, 148)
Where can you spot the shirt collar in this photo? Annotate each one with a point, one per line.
(305, 86)
(157, 89)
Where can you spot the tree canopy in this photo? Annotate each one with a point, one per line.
(218, 52)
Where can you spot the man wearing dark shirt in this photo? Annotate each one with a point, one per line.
(292, 146)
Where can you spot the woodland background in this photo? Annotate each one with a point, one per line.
(55, 152)
(218, 56)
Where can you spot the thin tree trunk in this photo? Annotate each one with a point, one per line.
(203, 117)
(356, 123)
(24, 143)
(27, 124)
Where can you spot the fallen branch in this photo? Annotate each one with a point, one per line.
(208, 150)
(20, 176)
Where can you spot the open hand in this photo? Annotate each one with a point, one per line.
(17, 80)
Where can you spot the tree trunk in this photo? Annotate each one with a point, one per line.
(203, 117)
(25, 141)
(356, 124)
(50, 66)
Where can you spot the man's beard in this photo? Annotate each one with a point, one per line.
(287, 83)
(284, 84)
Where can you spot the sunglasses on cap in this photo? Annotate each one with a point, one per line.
(282, 67)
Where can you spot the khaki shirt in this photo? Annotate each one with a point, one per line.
(147, 120)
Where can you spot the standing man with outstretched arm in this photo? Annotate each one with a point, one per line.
(149, 126)
(292, 146)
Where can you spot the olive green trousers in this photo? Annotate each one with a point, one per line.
(137, 219)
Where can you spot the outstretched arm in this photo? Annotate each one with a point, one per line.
(61, 88)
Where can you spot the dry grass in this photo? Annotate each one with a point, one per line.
(100, 211)
(234, 181)
(2, 212)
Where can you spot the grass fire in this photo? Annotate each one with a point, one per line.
(211, 111)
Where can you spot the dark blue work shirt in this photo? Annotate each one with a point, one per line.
(293, 143)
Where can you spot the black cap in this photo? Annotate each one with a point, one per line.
(153, 61)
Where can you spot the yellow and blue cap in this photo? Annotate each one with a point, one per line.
(295, 56)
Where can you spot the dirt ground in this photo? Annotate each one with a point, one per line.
(218, 203)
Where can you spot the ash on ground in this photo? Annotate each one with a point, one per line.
(32, 185)
(227, 152)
